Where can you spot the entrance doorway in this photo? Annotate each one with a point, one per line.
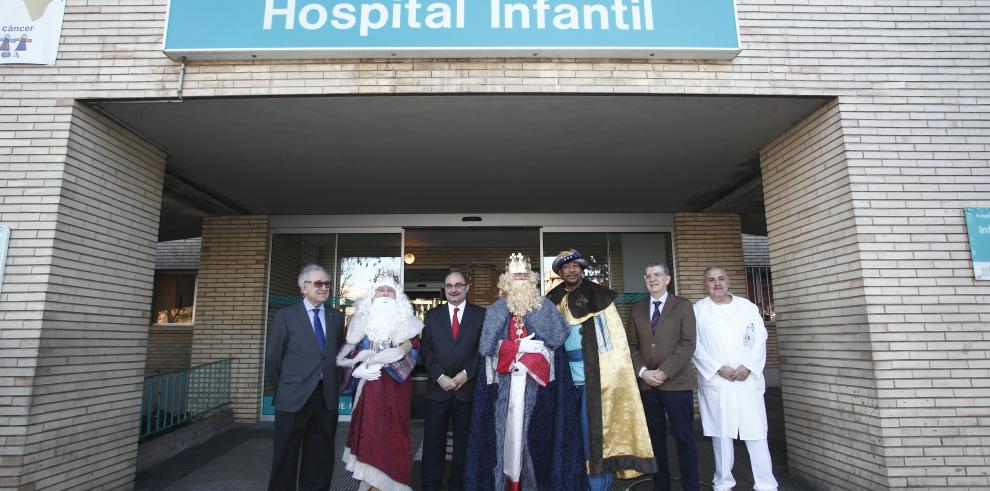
(419, 251)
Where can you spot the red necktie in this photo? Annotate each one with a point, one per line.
(454, 325)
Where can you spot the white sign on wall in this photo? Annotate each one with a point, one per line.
(30, 31)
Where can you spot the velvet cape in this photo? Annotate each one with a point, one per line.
(554, 440)
(585, 302)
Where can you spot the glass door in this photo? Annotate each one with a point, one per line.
(353, 260)
(615, 259)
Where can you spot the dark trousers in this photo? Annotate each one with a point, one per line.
(678, 407)
(437, 415)
(311, 430)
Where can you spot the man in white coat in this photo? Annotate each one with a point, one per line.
(730, 354)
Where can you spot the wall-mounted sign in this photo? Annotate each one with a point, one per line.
(245, 29)
(4, 242)
(30, 31)
(978, 224)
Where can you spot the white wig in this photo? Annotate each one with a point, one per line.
(408, 326)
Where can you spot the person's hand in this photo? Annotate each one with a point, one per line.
(742, 373)
(650, 377)
(661, 376)
(727, 373)
(530, 345)
(367, 372)
(459, 380)
(447, 383)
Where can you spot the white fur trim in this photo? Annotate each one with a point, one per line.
(342, 361)
(369, 475)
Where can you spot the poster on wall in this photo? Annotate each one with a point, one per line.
(978, 223)
(30, 31)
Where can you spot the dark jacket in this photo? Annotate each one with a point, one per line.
(294, 361)
(671, 348)
(442, 355)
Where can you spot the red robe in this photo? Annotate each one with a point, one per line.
(379, 432)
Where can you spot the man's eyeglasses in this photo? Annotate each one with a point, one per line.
(457, 286)
(319, 284)
(654, 276)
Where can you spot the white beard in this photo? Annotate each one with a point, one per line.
(383, 318)
(523, 297)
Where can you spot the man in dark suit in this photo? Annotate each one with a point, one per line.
(450, 353)
(661, 333)
(301, 359)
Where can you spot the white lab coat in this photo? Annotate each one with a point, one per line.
(731, 335)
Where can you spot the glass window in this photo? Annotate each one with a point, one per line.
(615, 259)
(594, 246)
(174, 297)
(353, 262)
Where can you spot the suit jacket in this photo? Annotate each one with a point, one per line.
(444, 356)
(295, 362)
(671, 348)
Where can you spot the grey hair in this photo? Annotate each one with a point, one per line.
(704, 275)
(304, 274)
(659, 264)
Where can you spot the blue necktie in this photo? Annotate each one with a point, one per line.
(655, 321)
(321, 339)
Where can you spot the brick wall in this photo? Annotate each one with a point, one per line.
(178, 254)
(827, 371)
(230, 305)
(704, 239)
(72, 378)
(912, 88)
(169, 349)
(756, 250)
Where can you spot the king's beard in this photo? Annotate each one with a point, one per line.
(383, 317)
(521, 296)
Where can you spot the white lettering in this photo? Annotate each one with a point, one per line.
(596, 15)
(412, 6)
(566, 17)
(289, 12)
(321, 17)
(460, 14)
(523, 12)
(637, 24)
(541, 7)
(438, 16)
(590, 10)
(343, 14)
(366, 22)
(620, 15)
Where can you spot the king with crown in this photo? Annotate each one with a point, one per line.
(525, 423)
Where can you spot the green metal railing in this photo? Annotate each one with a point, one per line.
(173, 398)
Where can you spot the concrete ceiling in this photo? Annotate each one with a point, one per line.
(458, 153)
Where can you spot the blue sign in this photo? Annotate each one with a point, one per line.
(978, 223)
(238, 29)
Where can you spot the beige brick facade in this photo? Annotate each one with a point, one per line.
(702, 240)
(178, 255)
(76, 299)
(230, 305)
(826, 368)
(882, 326)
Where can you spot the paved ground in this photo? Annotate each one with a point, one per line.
(240, 459)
